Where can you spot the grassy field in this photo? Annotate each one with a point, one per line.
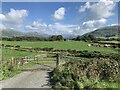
(115, 37)
(74, 45)
(116, 42)
(65, 45)
(7, 53)
(9, 70)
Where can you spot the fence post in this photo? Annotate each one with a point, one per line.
(22, 61)
(14, 61)
(57, 60)
(37, 60)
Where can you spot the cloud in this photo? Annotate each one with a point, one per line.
(59, 14)
(66, 29)
(31, 28)
(101, 9)
(36, 25)
(58, 28)
(14, 18)
(83, 8)
(89, 26)
(52, 29)
(2, 17)
(115, 24)
(2, 27)
(94, 23)
(96, 14)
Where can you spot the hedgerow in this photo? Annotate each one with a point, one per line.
(85, 74)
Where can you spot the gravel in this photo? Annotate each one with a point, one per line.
(35, 77)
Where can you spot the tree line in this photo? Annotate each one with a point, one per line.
(32, 38)
(58, 38)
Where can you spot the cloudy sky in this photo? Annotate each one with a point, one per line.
(55, 18)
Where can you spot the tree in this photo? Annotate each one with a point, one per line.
(56, 38)
(78, 38)
(91, 37)
(59, 38)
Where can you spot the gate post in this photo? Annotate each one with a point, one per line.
(37, 59)
(57, 60)
(22, 61)
(13, 61)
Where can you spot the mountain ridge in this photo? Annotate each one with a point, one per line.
(101, 32)
(14, 33)
(105, 31)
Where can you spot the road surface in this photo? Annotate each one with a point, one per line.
(35, 77)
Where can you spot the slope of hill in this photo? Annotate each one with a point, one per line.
(12, 33)
(109, 31)
(36, 34)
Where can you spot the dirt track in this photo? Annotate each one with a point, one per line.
(35, 77)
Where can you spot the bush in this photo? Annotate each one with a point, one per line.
(8, 70)
(9, 46)
(17, 46)
(85, 73)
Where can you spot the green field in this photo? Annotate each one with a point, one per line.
(9, 70)
(115, 37)
(7, 53)
(74, 45)
(115, 42)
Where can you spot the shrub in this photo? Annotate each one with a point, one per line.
(8, 70)
(17, 46)
(85, 73)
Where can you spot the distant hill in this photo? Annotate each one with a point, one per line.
(12, 33)
(109, 31)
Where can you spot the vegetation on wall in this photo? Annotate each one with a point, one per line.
(77, 74)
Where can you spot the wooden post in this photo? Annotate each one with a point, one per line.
(14, 61)
(11, 61)
(34, 58)
(57, 60)
(22, 61)
(25, 58)
(37, 60)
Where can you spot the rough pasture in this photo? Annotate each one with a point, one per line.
(63, 45)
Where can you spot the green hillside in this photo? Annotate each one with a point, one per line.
(110, 31)
(12, 33)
